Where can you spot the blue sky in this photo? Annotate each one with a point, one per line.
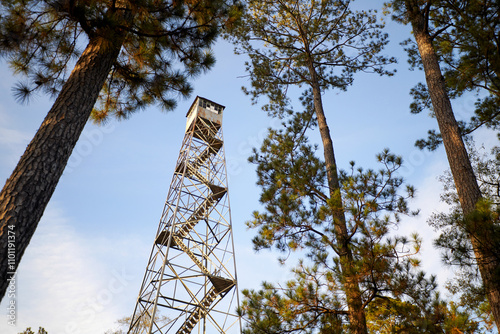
(85, 263)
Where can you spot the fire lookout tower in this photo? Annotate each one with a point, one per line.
(190, 281)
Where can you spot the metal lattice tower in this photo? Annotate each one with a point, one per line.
(190, 281)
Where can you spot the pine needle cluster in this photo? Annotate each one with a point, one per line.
(166, 44)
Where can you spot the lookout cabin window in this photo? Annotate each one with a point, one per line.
(211, 106)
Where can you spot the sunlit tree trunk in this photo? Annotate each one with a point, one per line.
(33, 181)
(461, 168)
(356, 312)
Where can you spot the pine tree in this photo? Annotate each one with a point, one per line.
(296, 216)
(453, 240)
(481, 232)
(464, 35)
(470, 53)
(28, 330)
(310, 44)
(138, 53)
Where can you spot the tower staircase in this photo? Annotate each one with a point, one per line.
(192, 271)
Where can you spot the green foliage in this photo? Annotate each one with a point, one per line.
(465, 37)
(307, 304)
(300, 43)
(28, 330)
(344, 228)
(310, 304)
(454, 239)
(468, 290)
(166, 43)
(295, 193)
(455, 230)
(298, 216)
(423, 316)
(142, 327)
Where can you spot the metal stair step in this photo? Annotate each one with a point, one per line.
(200, 311)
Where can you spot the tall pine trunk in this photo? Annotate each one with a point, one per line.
(461, 168)
(354, 301)
(32, 183)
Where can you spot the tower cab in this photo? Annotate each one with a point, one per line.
(206, 109)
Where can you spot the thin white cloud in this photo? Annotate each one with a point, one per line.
(12, 145)
(66, 285)
(253, 268)
(12, 141)
(428, 201)
(15, 138)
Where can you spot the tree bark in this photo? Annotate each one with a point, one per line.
(354, 301)
(465, 180)
(33, 181)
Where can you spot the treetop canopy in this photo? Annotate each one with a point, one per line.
(164, 44)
